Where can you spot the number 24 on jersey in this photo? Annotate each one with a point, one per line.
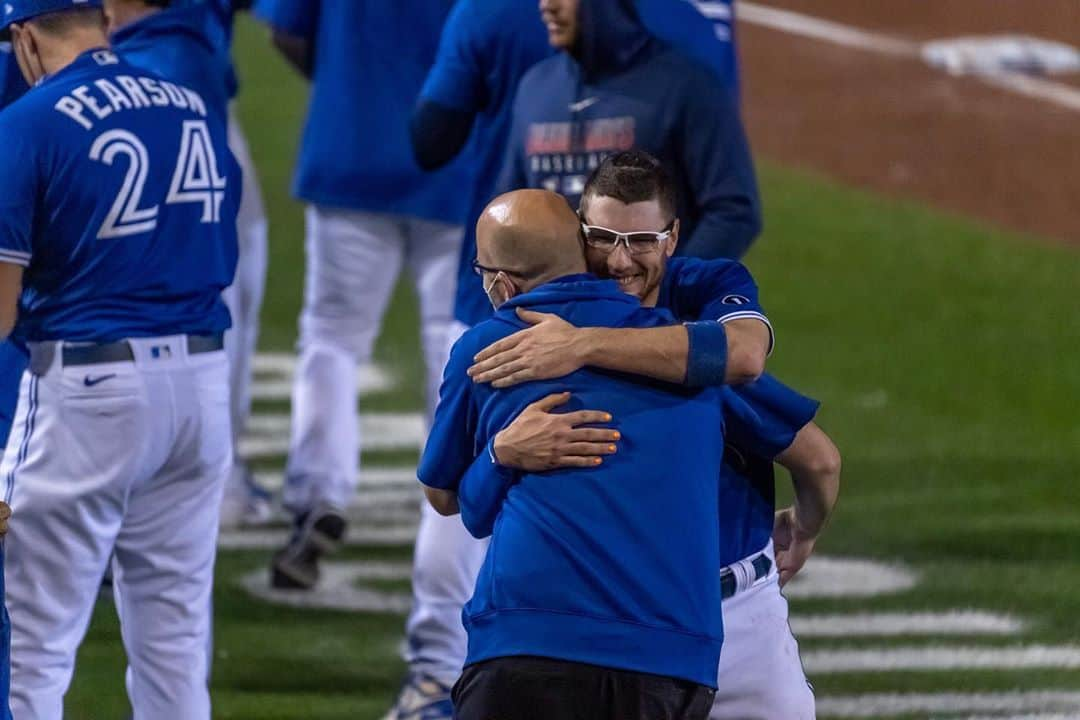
(196, 179)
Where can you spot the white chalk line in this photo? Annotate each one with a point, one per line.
(956, 622)
(935, 658)
(274, 372)
(849, 577)
(886, 704)
(848, 36)
(267, 434)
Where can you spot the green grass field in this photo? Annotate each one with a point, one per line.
(943, 351)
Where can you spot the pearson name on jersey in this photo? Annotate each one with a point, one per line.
(119, 197)
(101, 98)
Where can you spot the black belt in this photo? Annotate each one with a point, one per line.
(728, 584)
(121, 350)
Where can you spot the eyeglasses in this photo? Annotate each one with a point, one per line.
(637, 243)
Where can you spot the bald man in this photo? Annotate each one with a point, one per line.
(598, 594)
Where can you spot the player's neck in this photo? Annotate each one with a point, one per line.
(64, 52)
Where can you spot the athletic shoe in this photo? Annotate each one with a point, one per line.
(245, 503)
(422, 697)
(317, 533)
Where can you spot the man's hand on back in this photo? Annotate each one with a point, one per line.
(551, 348)
(539, 439)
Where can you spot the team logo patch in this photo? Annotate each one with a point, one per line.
(736, 300)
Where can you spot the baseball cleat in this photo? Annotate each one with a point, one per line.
(319, 532)
(422, 697)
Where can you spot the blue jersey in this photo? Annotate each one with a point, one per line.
(612, 566)
(763, 419)
(119, 197)
(370, 58)
(183, 45)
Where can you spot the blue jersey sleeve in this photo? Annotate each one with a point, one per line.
(457, 78)
(482, 492)
(450, 447)
(765, 416)
(723, 290)
(18, 190)
(293, 17)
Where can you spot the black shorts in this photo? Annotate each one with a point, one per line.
(533, 688)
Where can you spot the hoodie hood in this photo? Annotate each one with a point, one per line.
(611, 37)
(193, 21)
(580, 299)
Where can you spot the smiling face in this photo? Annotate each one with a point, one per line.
(639, 274)
(561, 19)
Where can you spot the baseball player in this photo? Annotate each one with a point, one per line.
(12, 364)
(12, 356)
(371, 210)
(117, 237)
(192, 43)
(759, 674)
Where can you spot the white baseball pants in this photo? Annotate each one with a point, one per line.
(760, 675)
(131, 458)
(244, 297)
(353, 263)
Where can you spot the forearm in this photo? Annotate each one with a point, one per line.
(438, 133)
(659, 353)
(445, 502)
(814, 464)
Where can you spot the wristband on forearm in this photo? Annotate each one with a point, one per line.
(706, 362)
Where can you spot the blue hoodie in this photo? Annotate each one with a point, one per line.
(612, 566)
(180, 44)
(12, 84)
(621, 88)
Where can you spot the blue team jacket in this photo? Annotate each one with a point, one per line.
(613, 566)
(621, 89)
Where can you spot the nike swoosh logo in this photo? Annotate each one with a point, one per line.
(91, 382)
(587, 102)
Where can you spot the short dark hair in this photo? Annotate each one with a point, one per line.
(63, 21)
(630, 177)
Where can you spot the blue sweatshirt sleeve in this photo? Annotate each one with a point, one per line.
(450, 447)
(482, 492)
(719, 170)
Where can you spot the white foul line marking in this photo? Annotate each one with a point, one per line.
(826, 576)
(956, 622)
(273, 377)
(825, 662)
(888, 704)
(846, 36)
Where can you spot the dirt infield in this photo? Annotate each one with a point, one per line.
(893, 124)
